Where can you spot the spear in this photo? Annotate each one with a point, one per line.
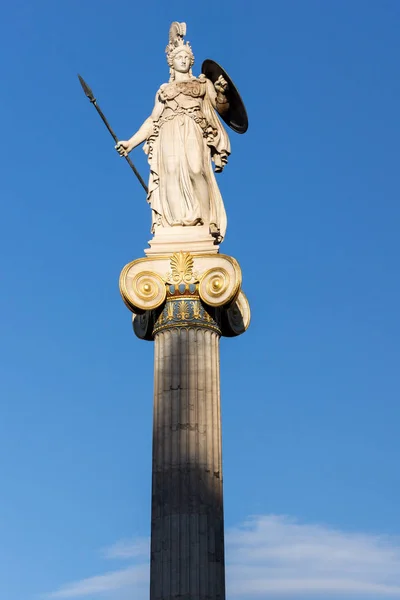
(90, 95)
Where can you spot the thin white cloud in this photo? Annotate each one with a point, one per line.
(269, 556)
(124, 549)
(134, 577)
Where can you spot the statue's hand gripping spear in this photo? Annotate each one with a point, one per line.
(89, 94)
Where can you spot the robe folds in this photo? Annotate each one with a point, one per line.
(186, 139)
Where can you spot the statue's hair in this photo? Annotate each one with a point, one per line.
(184, 48)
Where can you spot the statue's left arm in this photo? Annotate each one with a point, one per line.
(217, 94)
(219, 141)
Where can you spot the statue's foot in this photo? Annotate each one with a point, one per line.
(214, 229)
(215, 232)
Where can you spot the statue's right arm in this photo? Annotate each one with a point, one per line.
(144, 131)
(141, 135)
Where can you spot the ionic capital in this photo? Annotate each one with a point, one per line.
(183, 290)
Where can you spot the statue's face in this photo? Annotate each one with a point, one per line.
(181, 62)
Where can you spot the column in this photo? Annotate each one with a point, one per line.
(187, 529)
(184, 303)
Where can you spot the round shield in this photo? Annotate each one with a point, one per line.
(236, 116)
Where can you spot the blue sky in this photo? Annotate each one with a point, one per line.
(311, 392)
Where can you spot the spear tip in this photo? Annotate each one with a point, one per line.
(86, 89)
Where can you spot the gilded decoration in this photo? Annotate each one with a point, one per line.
(186, 311)
(144, 291)
(181, 264)
(186, 291)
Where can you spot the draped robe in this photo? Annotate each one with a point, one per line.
(185, 140)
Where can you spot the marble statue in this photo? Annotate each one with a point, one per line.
(182, 138)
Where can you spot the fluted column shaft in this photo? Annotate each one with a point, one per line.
(187, 531)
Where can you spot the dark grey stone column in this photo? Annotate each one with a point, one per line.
(187, 526)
